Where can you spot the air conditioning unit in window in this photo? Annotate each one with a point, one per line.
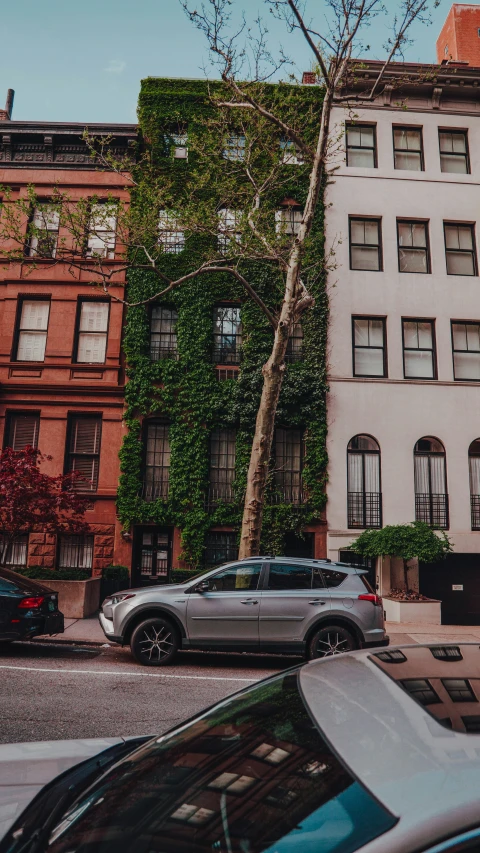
(180, 152)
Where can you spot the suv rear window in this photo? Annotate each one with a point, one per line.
(272, 783)
(333, 577)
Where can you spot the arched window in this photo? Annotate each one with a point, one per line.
(474, 469)
(431, 498)
(364, 497)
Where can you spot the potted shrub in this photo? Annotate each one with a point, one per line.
(114, 578)
(78, 592)
(406, 542)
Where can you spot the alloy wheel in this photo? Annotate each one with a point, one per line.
(332, 643)
(155, 645)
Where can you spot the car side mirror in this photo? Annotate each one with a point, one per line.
(202, 587)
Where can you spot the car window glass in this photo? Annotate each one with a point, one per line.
(7, 586)
(285, 576)
(333, 577)
(252, 774)
(235, 578)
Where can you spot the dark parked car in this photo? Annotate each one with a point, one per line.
(27, 608)
(376, 751)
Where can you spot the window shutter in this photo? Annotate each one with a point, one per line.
(94, 317)
(85, 435)
(23, 431)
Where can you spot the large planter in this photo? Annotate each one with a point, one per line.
(76, 599)
(413, 611)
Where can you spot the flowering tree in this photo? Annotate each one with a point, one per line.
(31, 499)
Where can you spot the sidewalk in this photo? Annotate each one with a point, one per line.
(88, 631)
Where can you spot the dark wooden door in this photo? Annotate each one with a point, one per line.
(152, 560)
(456, 582)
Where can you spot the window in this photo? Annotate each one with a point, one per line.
(332, 577)
(14, 554)
(232, 782)
(170, 235)
(418, 349)
(361, 145)
(220, 547)
(157, 461)
(92, 330)
(365, 244)
(284, 576)
(459, 689)
(75, 552)
(288, 220)
(43, 231)
(83, 453)
(103, 224)
(408, 148)
(395, 656)
(178, 145)
(294, 351)
(289, 465)
(236, 579)
(222, 466)
(193, 815)
(466, 351)
(229, 234)
(223, 374)
(234, 148)
(474, 476)
(163, 335)
(431, 497)
(227, 334)
(421, 690)
(369, 346)
(460, 249)
(413, 249)
(454, 151)
(291, 155)
(446, 653)
(22, 430)
(32, 329)
(364, 498)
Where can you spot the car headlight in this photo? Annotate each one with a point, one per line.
(116, 599)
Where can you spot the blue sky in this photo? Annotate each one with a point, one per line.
(84, 61)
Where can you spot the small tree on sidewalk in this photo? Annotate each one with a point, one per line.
(33, 500)
(405, 541)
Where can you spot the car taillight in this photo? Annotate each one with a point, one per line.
(370, 596)
(31, 603)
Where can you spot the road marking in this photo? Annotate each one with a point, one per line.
(138, 674)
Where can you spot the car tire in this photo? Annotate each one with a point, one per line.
(331, 640)
(154, 642)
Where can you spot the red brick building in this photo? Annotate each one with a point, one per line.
(61, 371)
(459, 39)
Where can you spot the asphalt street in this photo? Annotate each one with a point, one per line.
(50, 692)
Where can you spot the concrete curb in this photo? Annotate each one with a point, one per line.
(73, 642)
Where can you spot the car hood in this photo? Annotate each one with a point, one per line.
(26, 767)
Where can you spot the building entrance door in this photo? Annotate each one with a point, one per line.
(152, 556)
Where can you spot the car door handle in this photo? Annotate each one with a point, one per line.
(249, 601)
(317, 601)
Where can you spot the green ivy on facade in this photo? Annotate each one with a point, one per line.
(185, 391)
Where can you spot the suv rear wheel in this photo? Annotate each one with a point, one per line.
(330, 640)
(154, 642)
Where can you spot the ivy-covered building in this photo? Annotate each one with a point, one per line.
(195, 364)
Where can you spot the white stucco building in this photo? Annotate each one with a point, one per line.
(404, 339)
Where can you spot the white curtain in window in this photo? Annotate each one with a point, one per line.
(33, 330)
(355, 472)
(92, 337)
(474, 465)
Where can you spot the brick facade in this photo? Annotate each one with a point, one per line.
(459, 39)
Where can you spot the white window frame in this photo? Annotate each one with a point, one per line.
(92, 331)
(34, 331)
(170, 236)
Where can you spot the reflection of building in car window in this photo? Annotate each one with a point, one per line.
(241, 578)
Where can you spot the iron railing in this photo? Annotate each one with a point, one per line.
(475, 510)
(364, 509)
(220, 493)
(289, 493)
(155, 487)
(432, 509)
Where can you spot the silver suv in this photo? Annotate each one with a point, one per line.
(262, 604)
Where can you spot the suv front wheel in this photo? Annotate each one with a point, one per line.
(330, 640)
(154, 642)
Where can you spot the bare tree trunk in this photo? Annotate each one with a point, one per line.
(405, 574)
(274, 368)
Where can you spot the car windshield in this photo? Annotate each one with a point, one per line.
(252, 774)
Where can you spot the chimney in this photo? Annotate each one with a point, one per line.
(6, 114)
(309, 78)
